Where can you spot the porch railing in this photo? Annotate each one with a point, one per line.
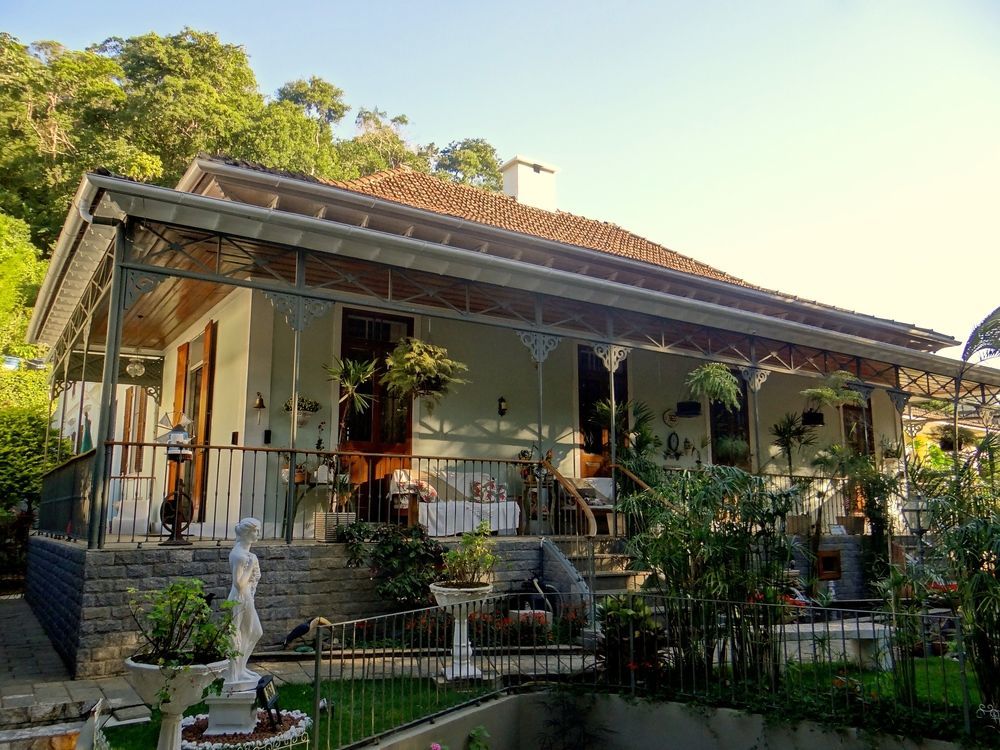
(307, 494)
(64, 508)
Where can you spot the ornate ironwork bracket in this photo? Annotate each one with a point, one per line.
(299, 312)
(540, 344)
(755, 377)
(611, 355)
(899, 398)
(138, 283)
(863, 388)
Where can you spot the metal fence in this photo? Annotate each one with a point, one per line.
(903, 672)
(64, 506)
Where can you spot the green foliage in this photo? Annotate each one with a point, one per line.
(479, 738)
(471, 563)
(353, 375)
(720, 537)
(418, 369)
(730, 450)
(834, 391)
(715, 382)
(791, 436)
(636, 442)
(22, 447)
(472, 161)
(145, 106)
(178, 627)
(404, 561)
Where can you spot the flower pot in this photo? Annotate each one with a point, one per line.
(813, 418)
(798, 524)
(853, 525)
(173, 690)
(460, 599)
(688, 408)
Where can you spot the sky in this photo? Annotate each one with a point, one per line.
(844, 151)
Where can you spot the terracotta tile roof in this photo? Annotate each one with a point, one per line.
(419, 190)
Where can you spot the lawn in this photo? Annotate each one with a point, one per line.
(359, 709)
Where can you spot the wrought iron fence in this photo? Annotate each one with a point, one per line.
(902, 672)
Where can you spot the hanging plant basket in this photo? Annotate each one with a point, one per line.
(688, 409)
(813, 418)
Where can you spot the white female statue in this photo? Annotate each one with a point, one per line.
(246, 625)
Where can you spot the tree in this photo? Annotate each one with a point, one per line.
(22, 445)
(380, 145)
(184, 94)
(472, 161)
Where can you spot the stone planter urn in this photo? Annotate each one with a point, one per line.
(173, 690)
(460, 602)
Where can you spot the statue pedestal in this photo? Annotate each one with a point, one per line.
(233, 712)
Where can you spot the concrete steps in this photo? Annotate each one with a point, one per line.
(603, 564)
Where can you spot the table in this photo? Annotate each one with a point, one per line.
(451, 517)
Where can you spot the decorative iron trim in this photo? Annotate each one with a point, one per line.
(138, 283)
(898, 398)
(865, 389)
(755, 377)
(299, 312)
(611, 355)
(539, 344)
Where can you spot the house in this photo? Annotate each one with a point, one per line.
(222, 299)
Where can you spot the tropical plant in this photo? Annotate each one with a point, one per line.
(720, 537)
(631, 639)
(404, 561)
(834, 392)
(714, 381)
(945, 435)
(177, 626)
(417, 369)
(730, 450)
(352, 375)
(471, 563)
(792, 436)
(636, 443)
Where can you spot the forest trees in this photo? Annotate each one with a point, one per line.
(145, 106)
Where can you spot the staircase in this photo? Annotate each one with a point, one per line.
(602, 564)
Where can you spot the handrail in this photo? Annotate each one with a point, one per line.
(643, 486)
(572, 492)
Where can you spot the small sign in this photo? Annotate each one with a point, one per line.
(267, 698)
(837, 529)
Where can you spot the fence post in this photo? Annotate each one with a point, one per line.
(963, 674)
(317, 674)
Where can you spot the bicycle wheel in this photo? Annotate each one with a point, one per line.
(176, 507)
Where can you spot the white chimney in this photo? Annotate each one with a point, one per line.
(530, 182)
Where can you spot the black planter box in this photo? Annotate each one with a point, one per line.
(688, 408)
(813, 418)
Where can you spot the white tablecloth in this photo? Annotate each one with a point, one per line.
(447, 518)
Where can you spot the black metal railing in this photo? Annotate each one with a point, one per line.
(64, 508)
(882, 671)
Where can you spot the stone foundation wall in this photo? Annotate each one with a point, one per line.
(81, 596)
(54, 590)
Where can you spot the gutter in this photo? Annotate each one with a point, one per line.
(455, 223)
(159, 204)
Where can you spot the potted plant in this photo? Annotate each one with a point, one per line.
(352, 375)
(712, 381)
(185, 647)
(304, 410)
(468, 569)
(834, 393)
(730, 450)
(416, 369)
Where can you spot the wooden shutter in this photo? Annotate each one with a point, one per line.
(140, 427)
(126, 430)
(203, 428)
(180, 391)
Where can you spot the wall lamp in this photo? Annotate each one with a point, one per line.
(502, 406)
(258, 405)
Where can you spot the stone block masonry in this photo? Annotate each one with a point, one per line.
(80, 596)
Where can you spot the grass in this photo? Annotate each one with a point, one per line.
(360, 709)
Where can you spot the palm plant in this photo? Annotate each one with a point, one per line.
(791, 436)
(636, 443)
(352, 374)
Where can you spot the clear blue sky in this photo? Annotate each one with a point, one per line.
(846, 151)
